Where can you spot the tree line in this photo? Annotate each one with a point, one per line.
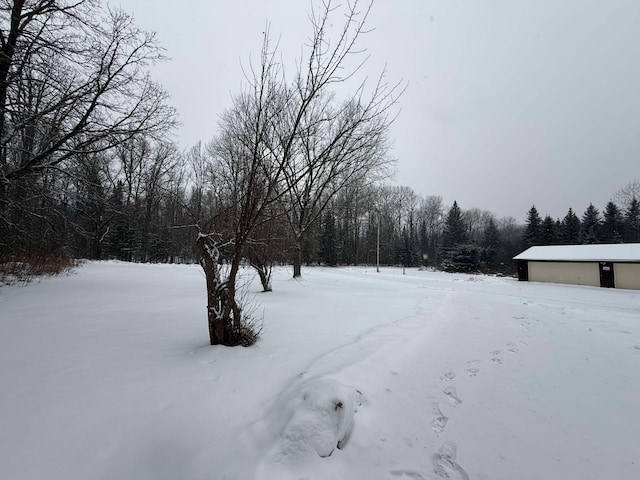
(465, 248)
(617, 224)
(396, 226)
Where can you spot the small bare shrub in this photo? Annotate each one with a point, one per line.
(25, 268)
(249, 332)
(250, 329)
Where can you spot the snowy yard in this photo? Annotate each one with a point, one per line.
(107, 374)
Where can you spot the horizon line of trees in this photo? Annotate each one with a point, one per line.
(140, 201)
(462, 252)
(617, 224)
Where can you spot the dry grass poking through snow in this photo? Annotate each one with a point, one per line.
(16, 269)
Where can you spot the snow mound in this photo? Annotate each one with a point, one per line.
(310, 420)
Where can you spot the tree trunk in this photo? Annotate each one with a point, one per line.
(231, 310)
(97, 251)
(6, 58)
(216, 293)
(265, 276)
(297, 260)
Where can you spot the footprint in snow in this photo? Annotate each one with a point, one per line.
(452, 395)
(512, 347)
(440, 421)
(448, 376)
(445, 465)
(472, 372)
(495, 356)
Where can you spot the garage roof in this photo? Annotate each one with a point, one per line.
(620, 252)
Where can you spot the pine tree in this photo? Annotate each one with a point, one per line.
(632, 222)
(457, 255)
(570, 231)
(490, 244)
(533, 229)
(407, 256)
(462, 258)
(548, 233)
(591, 222)
(328, 247)
(423, 241)
(612, 226)
(491, 235)
(455, 230)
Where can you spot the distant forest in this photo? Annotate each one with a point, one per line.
(141, 202)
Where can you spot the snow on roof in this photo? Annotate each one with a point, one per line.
(621, 252)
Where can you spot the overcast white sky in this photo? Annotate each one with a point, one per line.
(510, 102)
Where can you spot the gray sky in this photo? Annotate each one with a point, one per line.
(509, 103)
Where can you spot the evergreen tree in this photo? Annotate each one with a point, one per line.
(612, 226)
(570, 230)
(328, 246)
(343, 242)
(455, 230)
(548, 232)
(491, 235)
(462, 258)
(632, 222)
(591, 222)
(115, 240)
(533, 228)
(407, 255)
(457, 254)
(423, 241)
(491, 243)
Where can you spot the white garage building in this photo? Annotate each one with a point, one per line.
(607, 265)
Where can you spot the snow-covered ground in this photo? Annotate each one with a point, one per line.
(107, 374)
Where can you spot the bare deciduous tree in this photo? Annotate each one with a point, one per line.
(476, 220)
(251, 167)
(291, 141)
(337, 147)
(626, 194)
